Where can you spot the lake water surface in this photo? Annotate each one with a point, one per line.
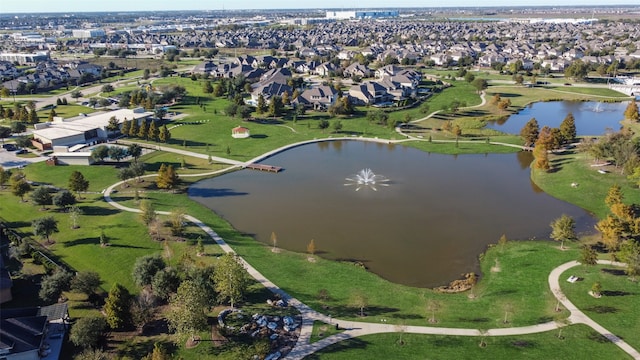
(425, 229)
(592, 118)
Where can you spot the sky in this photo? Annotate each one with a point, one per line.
(34, 6)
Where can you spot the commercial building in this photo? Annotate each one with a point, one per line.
(360, 15)
(25, 58)
(87, 33)
(83, 129)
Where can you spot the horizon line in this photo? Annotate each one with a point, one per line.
(329, 8)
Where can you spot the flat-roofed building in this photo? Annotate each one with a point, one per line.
(84, 129)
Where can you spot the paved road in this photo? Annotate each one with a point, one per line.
(304, 348)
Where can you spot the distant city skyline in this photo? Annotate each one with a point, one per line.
(39, 6)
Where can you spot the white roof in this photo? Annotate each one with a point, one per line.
(56, 133)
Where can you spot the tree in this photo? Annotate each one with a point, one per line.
(142, 309)
(231, 109)
(530, 132)
(218, 90)
(92, 354)
(359, 300)
(125, 174)
(208, 88)
(87, 331)
(158, 353)
(165, 135)
(52, 114)
(588, 256)
(52, 286)
(611, 229)
(153, 132)
(74, 216)
(261, 106)
(44, 227)
(19, 185)
(147, 212)
(631, 112)
(433, 306)
(145, 268)
(159, 113)
(596, 289)
(126, 127)
(276, 106)
(41, 196)
(113, 125)
(504, 104)
(135, 151)
(167, 177)
(480, 84)
(337, 126)
(137, 169)
(107, 88)
(76, 94)
(134, 128)
(323, 124)
(64, 199)
(117, 153)
(186, 315)
(614, 196)
(568, 128)
(176, 220)
(563, 229)
(230, 279)
(630, 254)
(165, 282)
(100, 152)
(4, 176)
(578, 70)
(86, 282)
(311, 247)
(33, 117)
(116, 307)
(77, 182)
(143, 131)
(18, 127)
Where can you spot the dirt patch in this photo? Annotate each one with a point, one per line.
(311, 259)
(193, 342)
(217, 338)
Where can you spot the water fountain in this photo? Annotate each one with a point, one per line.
(597, 108)
(366, 178)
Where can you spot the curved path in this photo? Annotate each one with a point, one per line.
(577, 316)
(353, 329)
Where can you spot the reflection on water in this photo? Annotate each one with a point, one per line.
(426, 229)
(592, 118)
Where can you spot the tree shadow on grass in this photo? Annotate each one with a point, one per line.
(98, 211)
(83, 241)
(345, 345)
(616, 293)
(615, 272)
(478, 320)
(601, 309)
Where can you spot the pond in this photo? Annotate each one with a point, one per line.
(592, 118)
(426, 228)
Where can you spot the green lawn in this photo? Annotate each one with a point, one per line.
(577, 342)
(592, 188)
(618, 310)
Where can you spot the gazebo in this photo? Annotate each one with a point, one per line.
(240, 132)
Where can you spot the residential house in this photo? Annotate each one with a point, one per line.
(368, 93)
(318, 97)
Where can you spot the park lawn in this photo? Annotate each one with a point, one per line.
(618, 310)
(573, 167)
(99, 176)
(66, 111)
(464, 146)
(603, 92)
(578, 342)
(521, 96)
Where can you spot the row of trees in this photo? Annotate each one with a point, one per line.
(146, 130)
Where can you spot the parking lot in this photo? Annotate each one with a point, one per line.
(9, 159)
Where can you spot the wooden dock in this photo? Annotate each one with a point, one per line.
(263, 167)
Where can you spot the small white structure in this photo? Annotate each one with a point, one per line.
(240, 132)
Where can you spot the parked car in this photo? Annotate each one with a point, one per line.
(21, 151)
(9, 147)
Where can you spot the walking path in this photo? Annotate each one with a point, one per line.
(353, 329)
